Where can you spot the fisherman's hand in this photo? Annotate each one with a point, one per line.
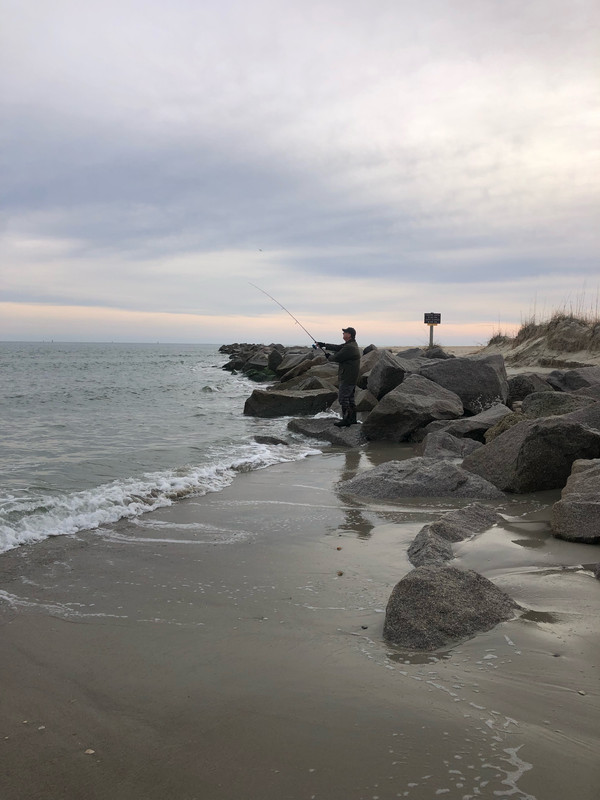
(320, 344)
(328, 356)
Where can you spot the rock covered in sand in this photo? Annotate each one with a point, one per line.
(433, 607)
(418, 477)
(432, 545)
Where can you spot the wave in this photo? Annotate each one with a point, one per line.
(26, 520)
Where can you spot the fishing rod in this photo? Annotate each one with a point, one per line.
(286, 311)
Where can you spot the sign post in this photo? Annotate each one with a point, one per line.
(432, 319)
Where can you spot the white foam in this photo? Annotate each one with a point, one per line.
(56, 515)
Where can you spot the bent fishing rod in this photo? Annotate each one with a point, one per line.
(287, 312)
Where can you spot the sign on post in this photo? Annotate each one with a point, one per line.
(432, 319)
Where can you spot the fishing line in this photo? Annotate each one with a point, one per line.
(285, 309)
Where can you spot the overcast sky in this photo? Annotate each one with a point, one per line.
(363, 161)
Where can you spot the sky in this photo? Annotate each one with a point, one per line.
(362, 161)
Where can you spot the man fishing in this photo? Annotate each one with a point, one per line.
(347, 355)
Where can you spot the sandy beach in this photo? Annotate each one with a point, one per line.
(230, 647)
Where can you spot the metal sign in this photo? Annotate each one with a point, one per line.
(432, 319)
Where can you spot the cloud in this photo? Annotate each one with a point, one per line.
(159, 157)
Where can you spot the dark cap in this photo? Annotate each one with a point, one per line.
(351, 331)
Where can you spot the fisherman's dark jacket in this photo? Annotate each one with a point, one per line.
(347, 355)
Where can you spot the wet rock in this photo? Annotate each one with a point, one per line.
(432, 545)
(534, 455)
(259, 439)
(262, 403)
(418, 477)
(434, 607)
(326, 430)
(576, 516)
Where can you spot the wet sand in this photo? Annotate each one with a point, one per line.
(230, 647)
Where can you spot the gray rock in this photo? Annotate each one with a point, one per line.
(576, 516)
(589, 416)
(474, 427)
(309, 382)
(413, 404)
(534, 455)
(509, 421)
(520, 386)
(462, 523)
(326, 430)
(418, 477)
(589, 391)
(427, 548)
(262, 403)
(551, 404)
(310, 361)
(291, 360)
(275, 358)
(259, 439)
(434, 607)
(365, 401)
(441, 444)
(479, 381)
(413, 352)
(432, 545)
(387, 372)
(572, 379)
(437, 352)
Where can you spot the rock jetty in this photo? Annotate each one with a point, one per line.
(477, 434)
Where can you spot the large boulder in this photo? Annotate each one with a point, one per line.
(389, 371)
(432, 545)
(413, 404)
(262, 403)
(576, 516)
(551, 404)
(479, 381)
(418, 477)
(433, 607)
(326, 430)
(571, 379)
(534, 455)
(441, 444)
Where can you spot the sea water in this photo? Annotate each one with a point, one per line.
(93, 433)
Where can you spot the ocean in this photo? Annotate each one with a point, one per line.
(94, 433)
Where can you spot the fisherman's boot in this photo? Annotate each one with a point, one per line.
(343, 422)
(352, 417)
